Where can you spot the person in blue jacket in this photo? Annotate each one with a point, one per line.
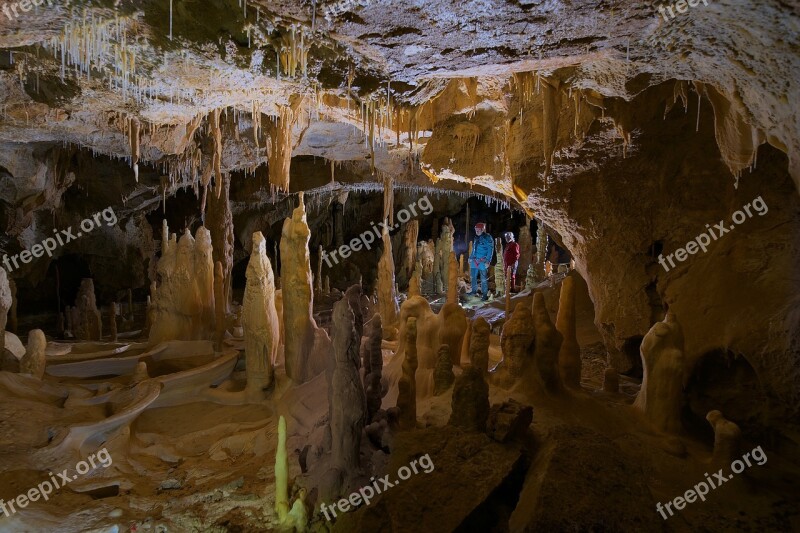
(480, 259)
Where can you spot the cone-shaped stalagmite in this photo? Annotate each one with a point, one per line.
(525, 248)
(444, 245)
(547, 345)
(470, 404)
(297, 293)
(661, 394)
(88, 326)
(499, 272)
(260, 320)
(443, 376)
(112, 320)
(33, 362)
(407, 386)
(409, 258)
(348, 402)
(281, 473)
(569, 356)
(727, 438)
(414, 284)
(219, 305)
(373, 364)
(452, 317)
(516, 342)
(220, 225)
(387, 299)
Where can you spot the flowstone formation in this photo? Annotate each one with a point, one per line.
(569, 356)
(305, 345)
(348, 408)
(664, 374)
(182, 304)
(260, 320)
(525, 248)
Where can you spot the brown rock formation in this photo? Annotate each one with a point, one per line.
(661, 394)
(407, 386)
(569, 356)
(34, 360)
(348, 401)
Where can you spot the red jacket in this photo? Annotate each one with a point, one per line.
(511, 254)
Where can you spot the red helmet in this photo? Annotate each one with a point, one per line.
(480, 226)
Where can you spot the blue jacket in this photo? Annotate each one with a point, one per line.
(482, 248)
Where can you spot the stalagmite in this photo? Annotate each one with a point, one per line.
(112, 320)
(88, 326)
(499, 271)
(281, 473)
(130, 305)
(611, 380)
(140, 373)
(407, 386)
(297, 518)
(373, 363)
(508, 292)
(547, 345)
(479, 344)
(33, 362)
(443, 376)
(525, 247)
(219, 306)
(727, 440)
(569, 356)
(444, 245)
(387, 299)
(5, 305)
(348, 402)
(470, 404)
(388, 200)
(530, 278)
(409, 259)
(219, 220)
(260, 320)
(516, 342)
(541, 252)
(307, 348)
(663, 365)
(414, 284)
(452, 279)
(183, 304)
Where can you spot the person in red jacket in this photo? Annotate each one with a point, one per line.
(511, 259)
